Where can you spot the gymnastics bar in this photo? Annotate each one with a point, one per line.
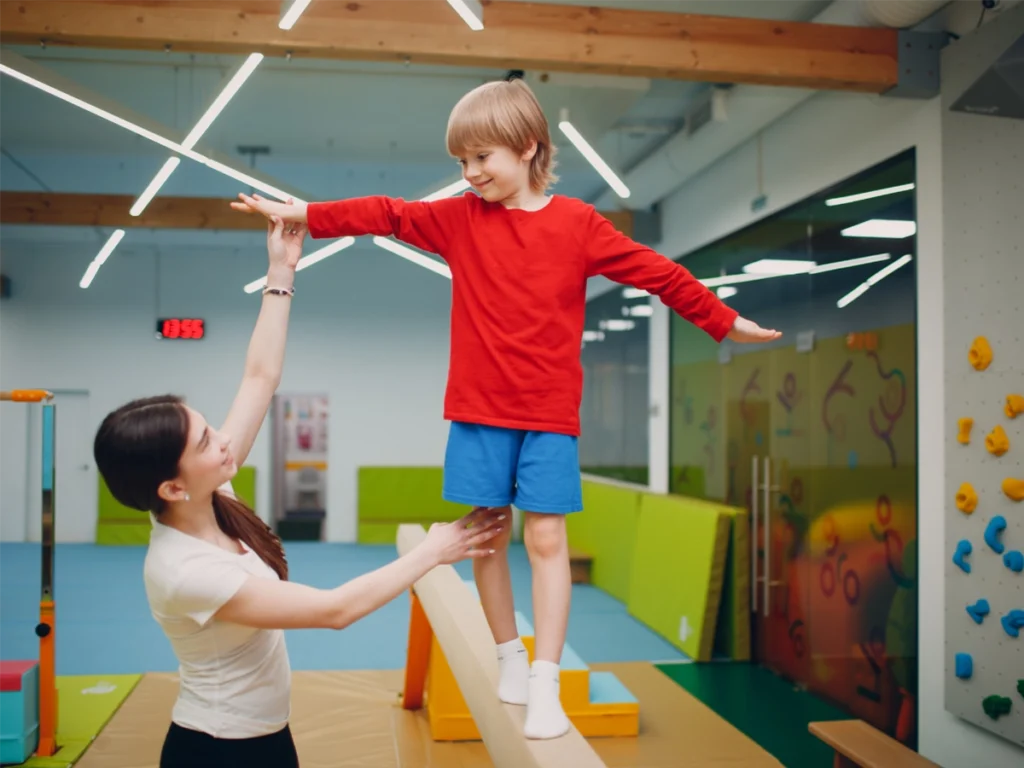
(47, 607)
(458, 622)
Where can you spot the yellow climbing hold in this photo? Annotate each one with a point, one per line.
(1014, 488)
(967, 499)
(1014, 405)
(997, 442)
(964, 436)
(980, 354)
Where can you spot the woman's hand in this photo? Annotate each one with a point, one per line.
(284, 243)
(289, 211)
(465, 538)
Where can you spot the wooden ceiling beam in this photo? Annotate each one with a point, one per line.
(517, 35)
(96, 210)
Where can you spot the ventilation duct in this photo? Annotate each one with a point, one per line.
(748, 109)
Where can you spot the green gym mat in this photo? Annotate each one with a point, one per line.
(606, 530)
(118, 525)
(390, 496)
(678, 571)
(85, 704)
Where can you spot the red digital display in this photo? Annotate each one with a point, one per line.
(180, 328)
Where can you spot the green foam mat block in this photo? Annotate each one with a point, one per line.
(678, 570)
(606, 530)
(390, 496)
(85, 704)
(732, 636)
(123, 534)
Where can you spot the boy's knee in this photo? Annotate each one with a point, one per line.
(545, 535)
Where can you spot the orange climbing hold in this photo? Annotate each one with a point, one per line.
(997, 442)
(965, 425)
(966, 499)
(1014, 488)
(980, 354)
(1014, 406)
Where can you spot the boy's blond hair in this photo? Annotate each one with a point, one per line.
(504, 113)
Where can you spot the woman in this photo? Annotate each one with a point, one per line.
(215, 574)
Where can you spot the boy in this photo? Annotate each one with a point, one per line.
(520, 259)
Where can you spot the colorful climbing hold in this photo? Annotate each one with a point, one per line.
(1012, 622)
(964, 435)
(993, 530)
(978, 611)
(963, 548)
(1014, 406)
(966, 499)
(980, 354)
(964, 665)
(1020, 687)
(996, 441)
(1014, 561)
(1014, 488)
(995, 706)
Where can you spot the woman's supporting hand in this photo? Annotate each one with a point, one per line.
(465, 538)
(284, 242)
(747, 332)
(289, 211)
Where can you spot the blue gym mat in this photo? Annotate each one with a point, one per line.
(104, 625)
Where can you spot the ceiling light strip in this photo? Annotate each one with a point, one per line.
(292, 14)
(101, 257)
(875, 279)
(869, 195)
(308, 260)
(471, 12)
(591, 155)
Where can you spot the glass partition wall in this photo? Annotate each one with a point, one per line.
(815, 435)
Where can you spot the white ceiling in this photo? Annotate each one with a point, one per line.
(334, 129)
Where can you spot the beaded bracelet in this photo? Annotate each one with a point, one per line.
(279, 291)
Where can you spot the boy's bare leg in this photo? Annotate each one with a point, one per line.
(494, 583)
(548, 547)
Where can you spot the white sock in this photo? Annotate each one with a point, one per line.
(514, 666)
(545, 718)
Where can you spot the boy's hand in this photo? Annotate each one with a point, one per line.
(287, 212)
(746, 332)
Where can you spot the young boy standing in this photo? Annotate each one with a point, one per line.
(520, 259)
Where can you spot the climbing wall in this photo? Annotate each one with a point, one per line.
(984, 361)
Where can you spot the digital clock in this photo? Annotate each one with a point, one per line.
(180, 328)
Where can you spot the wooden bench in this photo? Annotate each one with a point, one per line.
(858, 744)
(579, 566)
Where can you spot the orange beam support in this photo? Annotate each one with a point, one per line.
(417, 656)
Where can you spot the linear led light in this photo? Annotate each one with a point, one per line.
(471, 12)
(97, 262)
(876, 278)
(617, 185)
(308, 260)
(154, 186)
(634, 293)
(232, 87)
(412, 255)
(291, 15)
(714, 282)
(617, 325)
(869, 195)
(454, 188)
(894, 229)
(145, 133)
(593, 335)
(727, 291)
(860, 261)
(638, 310)
(779, 267)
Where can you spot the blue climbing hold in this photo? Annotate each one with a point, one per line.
(851, 460)
(964, 665)
(963, 548)
(992, 531)
(1013, 622)
(978, 611)
(1014, 561)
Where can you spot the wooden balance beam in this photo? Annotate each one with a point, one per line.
(859, 745)
(457, 619)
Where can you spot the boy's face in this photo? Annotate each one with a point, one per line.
(497, 173)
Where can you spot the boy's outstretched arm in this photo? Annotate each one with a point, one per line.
(619, 258)
(420, 224)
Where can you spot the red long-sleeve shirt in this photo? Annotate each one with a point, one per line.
(519, 295)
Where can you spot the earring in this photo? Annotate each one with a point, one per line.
(187, 497)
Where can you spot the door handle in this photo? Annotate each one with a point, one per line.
(767, 532)
(753, 533)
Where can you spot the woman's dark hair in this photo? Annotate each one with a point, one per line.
(139, 446)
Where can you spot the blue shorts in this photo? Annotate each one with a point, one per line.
(494, 467)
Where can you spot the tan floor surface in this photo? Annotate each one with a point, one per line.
(349, 719)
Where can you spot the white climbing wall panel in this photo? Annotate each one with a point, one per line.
(983, 201)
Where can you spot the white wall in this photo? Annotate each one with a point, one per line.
(367, 327)
(826, 139)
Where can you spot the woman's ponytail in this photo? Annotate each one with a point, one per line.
(239, 522)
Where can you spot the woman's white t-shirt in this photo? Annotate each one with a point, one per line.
(235, 680)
